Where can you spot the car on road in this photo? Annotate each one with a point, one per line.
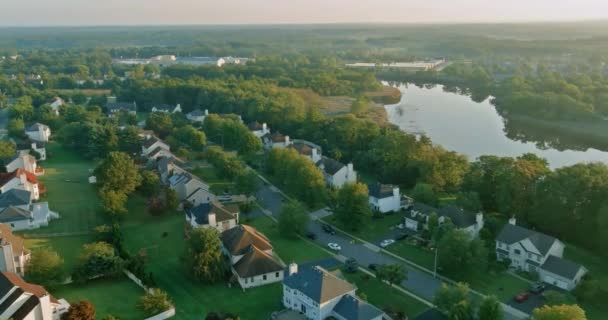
(329, 229)
(537, 287)
(311, 235)
(373, 266)
(334, 246)
(522, 296)
(386, 243)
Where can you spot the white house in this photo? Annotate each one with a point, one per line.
(258, 129)
(319, 294)
(165, 108)
(252, 260)
(384, 197)
(275, 140)
(309, 150)
(21, 179)
(190, 188)
(213, 215)
(197, 115)
(532, 251)
(13, 254)
(114, 107)
(38, 132)
(336, 173)
(153, 148)
(18, 211)
(22, 300)
(416, 218)
(39, 147)
(168, 166)
(56, 104)
(24, 161)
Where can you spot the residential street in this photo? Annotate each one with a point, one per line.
(418, 282)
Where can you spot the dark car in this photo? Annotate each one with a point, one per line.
(311, 235)
(373, 267)
(329, 229)
(537, 287)
(522, 296)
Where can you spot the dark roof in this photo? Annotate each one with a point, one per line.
(351, 308)
(202, 211)
(431, 314)
(424, 208)
(317, 283)
(26, 308)
(15, 197)
(378, 190)
(12, 214)
(330, 166)
(561, 267)
(120, 106)
(17, 281)
(255, 126)
(458, 216)
(11, 298)
(152, 140)
(256, 262)
(512, 233)
(238, 240)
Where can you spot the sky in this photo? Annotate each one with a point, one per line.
(176, 12)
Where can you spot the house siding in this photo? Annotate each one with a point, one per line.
(259, 280)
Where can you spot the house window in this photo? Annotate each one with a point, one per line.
(264, 277)
(12, 225)
(276, 275)
(517, 251)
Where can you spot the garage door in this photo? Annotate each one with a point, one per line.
(556, 282)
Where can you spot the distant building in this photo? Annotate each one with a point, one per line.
(24, 161)
(39, 147)
(213, 215)
(384, 197)
(22, 180)
(258, 129)
(408, 66)
(38, 132)
(22, 300)
(13, 254)
(18, 211)
(114, 107)
(275, 140)
(336, 173)
(417, 217)
(197, 115)
(307, 149)
(56, 104)
(165, 108)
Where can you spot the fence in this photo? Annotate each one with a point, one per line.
(161, 316)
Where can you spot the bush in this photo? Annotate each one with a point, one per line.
(351, 265)
(155, 302)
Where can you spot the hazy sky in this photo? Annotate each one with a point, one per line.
(133, 12)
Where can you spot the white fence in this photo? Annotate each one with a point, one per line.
(161, 316)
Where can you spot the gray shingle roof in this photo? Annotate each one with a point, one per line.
(196, 113)
(330, 166)
(351, 308)
(318, 284)
(202, 211)
(12, 214)
(15, 197)
(458, 216)
(512, 233)
(256, 262)
(562, 267)
(378, 190)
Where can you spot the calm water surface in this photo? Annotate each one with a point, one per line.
(460, 124)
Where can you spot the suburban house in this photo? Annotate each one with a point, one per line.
(22, 300)
(13, 254)
(416, 218)
(532, 251)
(275, 140)
(23, 160)
(190, 188)
(252, 260)
(153, 148)
(39, 147)
(336, 173)
(18, 211)
(197, 115)
(307, 149)
(258, 129)
(213, 215)
(165, 108)
(113, 107)
(21, 179)
(384, 197)
(56, 104)
(319, 294)
(38, 132)
(168, 166)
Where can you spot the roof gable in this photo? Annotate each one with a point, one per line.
(238, 239)
(562, 267)
(318, 284)
(511, 234)
(256, 262)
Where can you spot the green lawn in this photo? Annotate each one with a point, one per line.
(117, 297)
(384, 297)
(597, 266)
(67, 247)
(373, 228)
(416, 254)
(209, 175)
(502, 285)
(69, 193)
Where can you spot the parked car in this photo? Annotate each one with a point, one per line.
(334, 246)
(386, 243)
(522, 296)
(537, 287)
(351, 265)
(401, 236)
(373, 266)
(329, 229)
(311, 235)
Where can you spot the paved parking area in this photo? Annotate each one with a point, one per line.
(533, 302)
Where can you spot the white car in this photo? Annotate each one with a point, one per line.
(401, 226)
(334, 246)
(386, 243)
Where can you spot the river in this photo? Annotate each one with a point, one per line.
(460, 124)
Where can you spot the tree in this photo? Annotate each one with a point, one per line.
(16, 127)
(392, 273)
(97, 259)
(448, 296)
(469, 201)
(189, 136)
(150, 183)
(82, 310)
(423, 192)
(229, 165)
(160, 123)
(561, 312)
(360, 105)
(154, 302)
(113, 202)
(44, 267)
(352, 206)
(247, 183)
(203, 257)
(554, 298)
(490, 309)
(460, 255)
(463, 310)
(351, 265)
(7, 150)
(293, 220)
(22, 109)
(119, 173)
(171, 200)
